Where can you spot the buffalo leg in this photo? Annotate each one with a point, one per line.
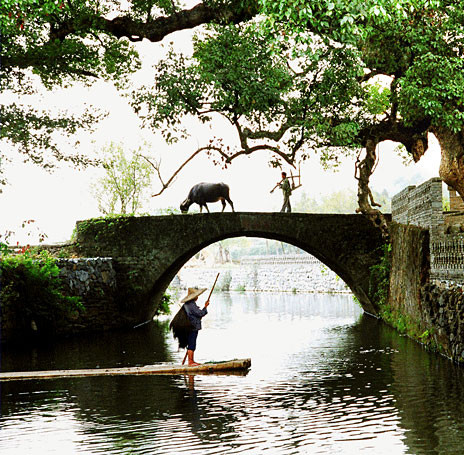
(231, 204)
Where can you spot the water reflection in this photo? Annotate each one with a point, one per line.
(324, 379)
(142, 346)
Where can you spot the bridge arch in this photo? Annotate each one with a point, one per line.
(149, 251)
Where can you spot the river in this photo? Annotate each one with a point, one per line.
(325, 379)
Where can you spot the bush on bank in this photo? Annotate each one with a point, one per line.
(31, 296)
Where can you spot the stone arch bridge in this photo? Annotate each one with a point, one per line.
(148, 251)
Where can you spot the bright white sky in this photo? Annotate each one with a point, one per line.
(56, 201)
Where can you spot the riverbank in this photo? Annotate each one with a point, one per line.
(304, 274)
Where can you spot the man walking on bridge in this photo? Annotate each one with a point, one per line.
(287, 191)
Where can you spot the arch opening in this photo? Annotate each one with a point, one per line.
(311, 270)
(258, 264)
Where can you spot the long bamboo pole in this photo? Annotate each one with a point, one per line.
(212, 289)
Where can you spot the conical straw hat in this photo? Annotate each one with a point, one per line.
(193, 293)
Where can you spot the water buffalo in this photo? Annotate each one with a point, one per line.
(202, 193)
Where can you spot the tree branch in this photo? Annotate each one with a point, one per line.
(227, 158)
(156, 29)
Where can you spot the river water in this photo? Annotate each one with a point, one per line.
(325, 379)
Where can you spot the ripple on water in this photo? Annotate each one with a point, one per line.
(322, 381)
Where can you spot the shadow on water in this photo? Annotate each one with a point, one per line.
(100, 402)
(356, 380)
(145, 345)
(125, 407)
(426, 389)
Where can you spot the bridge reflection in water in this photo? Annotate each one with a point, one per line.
(324, 379)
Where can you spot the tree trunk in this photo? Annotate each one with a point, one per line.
(452, 158)
(364, 170)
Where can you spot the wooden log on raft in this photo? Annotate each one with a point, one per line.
(204, 368)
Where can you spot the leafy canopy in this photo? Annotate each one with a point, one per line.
(418, 44)
(277, 99)
(34, 57)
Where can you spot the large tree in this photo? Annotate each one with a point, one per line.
(127, 177)
(418, 46)
(290, 97)
(413, 47)
(415, 44)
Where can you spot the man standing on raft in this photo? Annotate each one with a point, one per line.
(194, 314)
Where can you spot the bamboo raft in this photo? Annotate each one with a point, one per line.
(204, 368)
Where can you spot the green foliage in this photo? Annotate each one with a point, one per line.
(167, 211)
(4, 249)
(425, 334)
(303, 79)
(164, 306)
(32, 291)
(379, 282)
(419, 44)
(446, 204)
(232, 72)
(121, 189)
(30, 40)
(102, 224)
(36, 57)
(434, 87)
(34, 132)
(275, 101)
(378, 99)
(344, 201)
(379, 285)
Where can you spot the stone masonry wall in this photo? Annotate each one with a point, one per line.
(347, 244)
(422, 206)
(427, 276)
(433, 310)
(447, 258)
(302, 273)
(81, 276)
(94, 281)
(443, 314)
(410, 268)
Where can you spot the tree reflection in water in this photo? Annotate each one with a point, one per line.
(323, 379)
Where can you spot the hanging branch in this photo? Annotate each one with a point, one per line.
(157, 166)
(363, 171)
(226, 158)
